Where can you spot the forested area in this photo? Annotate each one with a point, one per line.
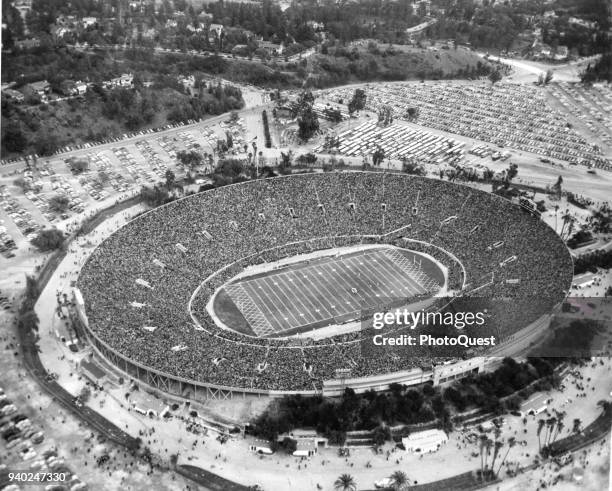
(499, 25)
(102, 113)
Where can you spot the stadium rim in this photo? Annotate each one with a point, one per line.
(214, 389)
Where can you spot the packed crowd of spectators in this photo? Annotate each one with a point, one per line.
(138, 284)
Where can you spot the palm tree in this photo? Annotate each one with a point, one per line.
(488, 445)
(550, 424)
(511, 443)
(497, 433)
(566, 217)
(345, 483)
(498, 445)
(541, 424)
(400, 480)
(481, 445)
(556, 215)
(559, 429)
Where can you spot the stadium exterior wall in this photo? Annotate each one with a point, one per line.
(184, 388)
(176, 386)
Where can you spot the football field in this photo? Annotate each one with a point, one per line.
(329, 290)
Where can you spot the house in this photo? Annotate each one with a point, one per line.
(40, 88)
(214, 32)
(582, 23)
(199, 27)
(273, 49)
(81, 87)
(316, 26)
(60, 32)
(562, 53)
(89, 21)
(187, 82)
(68, 21)
(68, 87)
(125, 80)
(13, 95)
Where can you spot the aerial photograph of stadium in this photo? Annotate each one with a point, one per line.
(295, 245)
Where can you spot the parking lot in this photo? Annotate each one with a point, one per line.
(59, 190)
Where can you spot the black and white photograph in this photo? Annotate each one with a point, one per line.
(306, 245)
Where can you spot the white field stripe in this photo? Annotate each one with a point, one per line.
(306, 293)
(258, 293)
(270, 291)
(293, 295)
(406, 278)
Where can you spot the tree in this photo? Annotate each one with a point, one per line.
(345, 483)
(13, 138)
(28, 321)
(79, 165)
(557, 187)
(170, 179)
(511, 172)
(378, 156)
(154, 196)
(289, 444)
(385, 115)
(59, 203)
(482, 441)
(190, 159)
(412, 168)
(548, 77)
(511, 443)
(48, 240)
(381, 434)
(498, 445)
(495, 76)
(308, 123)
(358, 102)
(541, 424)
(85, 394)
(20, 182)
(286, 160)
(576, 425)
(488, 445)
(412, 113)
(399, 481)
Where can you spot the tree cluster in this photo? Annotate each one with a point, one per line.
(266, 126)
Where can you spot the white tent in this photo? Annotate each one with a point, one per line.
(425, 441)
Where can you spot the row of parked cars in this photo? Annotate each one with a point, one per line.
(20, 216)
(81, 146)
(19, 435)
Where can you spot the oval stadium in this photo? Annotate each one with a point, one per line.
(263, 287)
